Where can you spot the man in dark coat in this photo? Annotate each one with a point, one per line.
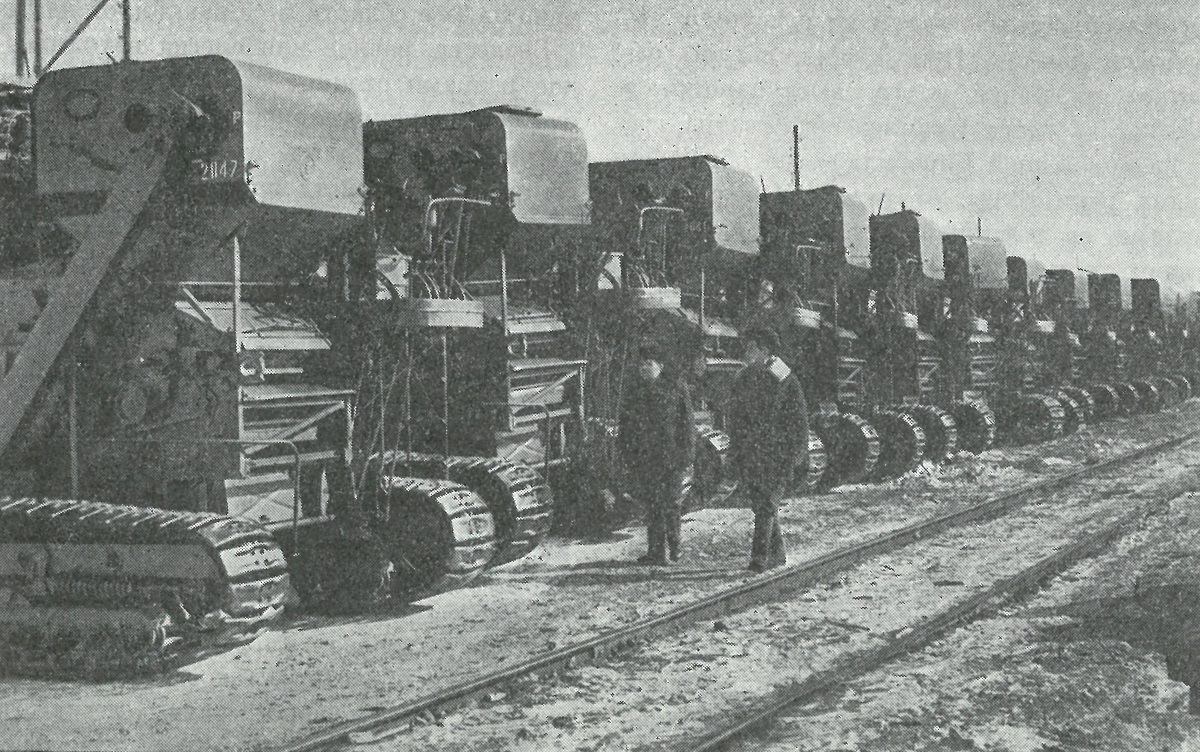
(767, 421)
(658, 446)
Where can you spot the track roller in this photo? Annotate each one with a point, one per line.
(1150, 398)
(976, 425)
(941, 431)
(1084, 399)
(853, 447)
(439, 534)
(1107, 400)
(902, 443)
(1074, 414)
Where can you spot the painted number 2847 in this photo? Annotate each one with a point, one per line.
(209, 170)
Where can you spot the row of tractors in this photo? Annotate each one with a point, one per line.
(253, 346)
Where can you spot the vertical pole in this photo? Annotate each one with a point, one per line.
(236, 315)
(73, 417)
(237, 298)
(979, 226)
(796, 156)
(37, 38)
(21, 55)
(408, 416)
(445, 404)
(126, 25)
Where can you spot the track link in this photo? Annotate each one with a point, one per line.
(101, 590)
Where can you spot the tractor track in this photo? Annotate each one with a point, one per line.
(395, 720)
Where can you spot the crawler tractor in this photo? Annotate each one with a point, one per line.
(915, 294)
(1105, 345)
(1041, 349)
(1149, 356)
(816, 247)
(676, 241)
(471, 389)
(979, 266)
(164, 400)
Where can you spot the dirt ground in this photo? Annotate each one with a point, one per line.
(318, 671)
(668, 692)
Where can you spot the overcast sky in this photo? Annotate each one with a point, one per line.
(1069, 127)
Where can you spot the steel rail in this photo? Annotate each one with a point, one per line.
(924, 631)
(388, 723)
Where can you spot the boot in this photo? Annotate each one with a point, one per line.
(656, 534)
(760, 543)
(673, 533)
(777, 551)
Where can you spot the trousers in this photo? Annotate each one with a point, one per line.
(767, 547)
(663, 495)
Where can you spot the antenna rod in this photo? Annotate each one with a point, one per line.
(22, 57)
(796, 156)
(126, 24)
(882, 196)
(75, 34)
(979, 226)
(37, 38)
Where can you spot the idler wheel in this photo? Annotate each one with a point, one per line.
(1084, 399)
(853, 447)
(976, 425)
(1150, 399)
(941, 431)
(1107, 400)
(902, 444)
(1035, 418)
(439, 534)
(1130, 399)
(1074, 416)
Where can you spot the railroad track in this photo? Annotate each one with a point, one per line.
(734, 729)
(393, 721)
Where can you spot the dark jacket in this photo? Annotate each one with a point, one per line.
(656, 432)
(767, 420)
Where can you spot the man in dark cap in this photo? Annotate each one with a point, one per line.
(658, 446)
(768, 430)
